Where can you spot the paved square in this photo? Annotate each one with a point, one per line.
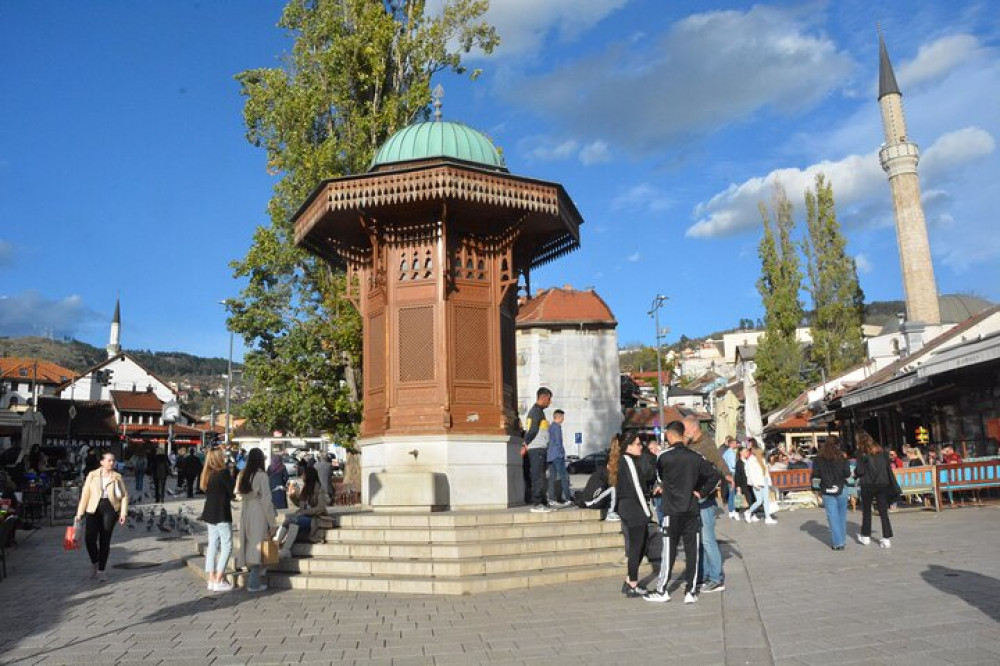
(933, 598)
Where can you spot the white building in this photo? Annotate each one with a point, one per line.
(24, 380)
(567, 342)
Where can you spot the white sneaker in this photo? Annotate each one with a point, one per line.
(540, 508)
(658, 597)
(735, 515)
(211, 586)
(768, 520)
(690, 598)
(752, 518)
(864, 541)
(612, 517)
(102, 576)
(885, 543)
(223, 586)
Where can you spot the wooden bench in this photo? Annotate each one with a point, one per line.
(918, 481)
(789, 480)
(969, 475)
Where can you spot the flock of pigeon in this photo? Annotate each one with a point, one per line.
(165, 522)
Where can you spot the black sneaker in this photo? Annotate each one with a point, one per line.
(712, 586)
(636, 592)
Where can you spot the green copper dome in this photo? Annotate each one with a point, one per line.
(438, 139)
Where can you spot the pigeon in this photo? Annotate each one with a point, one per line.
(163, 528)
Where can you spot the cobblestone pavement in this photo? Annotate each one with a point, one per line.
(933, 598)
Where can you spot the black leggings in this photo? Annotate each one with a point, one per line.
(879, 494)
(100, 526)
(636, 537)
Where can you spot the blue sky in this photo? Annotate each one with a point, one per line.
(124, 168)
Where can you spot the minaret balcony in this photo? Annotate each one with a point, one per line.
(899, 158)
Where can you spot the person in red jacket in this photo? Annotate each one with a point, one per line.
(949, 456)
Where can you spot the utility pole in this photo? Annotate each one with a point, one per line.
(654, 312)
(229, 379)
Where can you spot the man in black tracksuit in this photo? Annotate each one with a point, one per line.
(685, 477)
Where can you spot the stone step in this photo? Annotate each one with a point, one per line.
(477, 533)
(453, 551)
(443, 585)
(197, 565)
(449, 519)
(415, 567)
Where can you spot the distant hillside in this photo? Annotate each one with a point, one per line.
(79, 356)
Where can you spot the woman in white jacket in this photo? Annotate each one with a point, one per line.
(759, 477)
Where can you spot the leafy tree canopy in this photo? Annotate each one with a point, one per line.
(358, 71)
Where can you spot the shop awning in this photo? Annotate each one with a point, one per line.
(883, 390)
(971, 353)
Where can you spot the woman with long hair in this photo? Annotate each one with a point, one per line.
(606, 480)
(632, 483)
(258, 519)
(830, 473)
(874, 475)
(277, 477)
(760, 479)
(217, 484)
(104, 501)
(311, 502)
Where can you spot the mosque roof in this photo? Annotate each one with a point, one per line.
(886, 77)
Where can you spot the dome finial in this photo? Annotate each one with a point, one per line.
(437, 95)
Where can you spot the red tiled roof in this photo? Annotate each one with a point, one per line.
(560, 306)
(23, 369)
(136, 401)
(137, 429)
(93, 418)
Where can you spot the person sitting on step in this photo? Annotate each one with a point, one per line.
(311, 502)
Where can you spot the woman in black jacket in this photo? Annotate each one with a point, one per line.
(875, 478)
(830, 473)
(740, 479)
(634, 480)
(218, 485)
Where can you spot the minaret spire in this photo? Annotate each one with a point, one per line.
(899, 157)
(886, 77)
(114, 340)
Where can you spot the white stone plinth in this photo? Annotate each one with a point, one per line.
(468, 471)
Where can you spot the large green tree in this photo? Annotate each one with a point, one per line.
(358, 71)
(779, 357)
(838, 301)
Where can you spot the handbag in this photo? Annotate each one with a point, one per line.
(70, 542)
(269, 552)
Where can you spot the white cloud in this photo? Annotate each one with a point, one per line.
(937, 59)
(595, 152)
(546, 149)
(6, 253)
(864, 264)
(704, 72)
(859, 186)
(29, 313)
(524, 26)
(634, 257)
(642, 197)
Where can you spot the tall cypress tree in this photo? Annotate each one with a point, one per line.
(833, 284)
(779, 357)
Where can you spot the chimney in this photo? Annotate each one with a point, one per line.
(913, 335)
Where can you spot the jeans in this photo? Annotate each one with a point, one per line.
(711, 556)
(253, 578)
(536, 463)
(140, 475)
(557, 472)
(836, 516)
(763, 494)
(220, 544)
(731, 497)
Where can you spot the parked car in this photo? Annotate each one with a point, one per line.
(588, 464)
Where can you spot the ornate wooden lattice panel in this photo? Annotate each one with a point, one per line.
(416, 344)
(376, 351)
(416, 264)
(471, 345)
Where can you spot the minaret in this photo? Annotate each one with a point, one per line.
(899, 159)
(114, 342)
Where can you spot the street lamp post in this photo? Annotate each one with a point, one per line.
(654, 312)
